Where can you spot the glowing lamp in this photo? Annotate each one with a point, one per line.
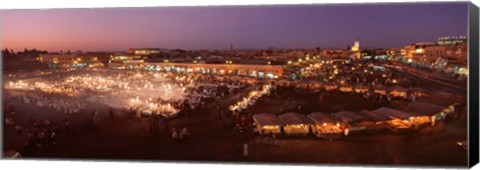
(418, 51)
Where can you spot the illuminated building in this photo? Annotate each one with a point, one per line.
(355, 52)
(397, 54)
(227, 69)
(356, 46)
(124, 61)
(451, 58)
(74, 60)
(330, 53)
(452, 40)
(366, 54)
(144, 51)
(415, 53)
(132, 60)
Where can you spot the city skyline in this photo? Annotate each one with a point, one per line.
(344, 84)
(246, 27)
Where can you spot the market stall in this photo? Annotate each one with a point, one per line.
(431, 113)
(301, 85)
(361, 89)
(330, 87)
(296, 124)
(266, 123)
(315, 85)
(352, 120)
(326, 126)
(399, 92)
(375, 121)
(401, 121)
(381, 90)
(346, 88)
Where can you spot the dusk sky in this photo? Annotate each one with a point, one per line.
(258, 27)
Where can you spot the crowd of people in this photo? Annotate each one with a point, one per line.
(183, 94)
(64, 104)
(36, 134)
(54, 93)
(369, 79)
(345, 70)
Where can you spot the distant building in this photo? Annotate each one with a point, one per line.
(215, 66)
(449, 58)
(415, 53)
(74, 60)
(366, 54)
(275, 55)
(144, 51)
(124, 61)
(204, 53)
(381, 52)
(394, 52)
(332, 53)
(356, 46)
(177, 52)
(227, 69)
(355, 52)
(452, 40)
(450, 48)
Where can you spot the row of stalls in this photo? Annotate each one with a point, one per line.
(344, 123)
(394, 91)
(320, 124)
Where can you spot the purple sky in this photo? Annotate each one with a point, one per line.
(301, 26)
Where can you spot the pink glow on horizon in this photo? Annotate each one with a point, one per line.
(257, 27)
